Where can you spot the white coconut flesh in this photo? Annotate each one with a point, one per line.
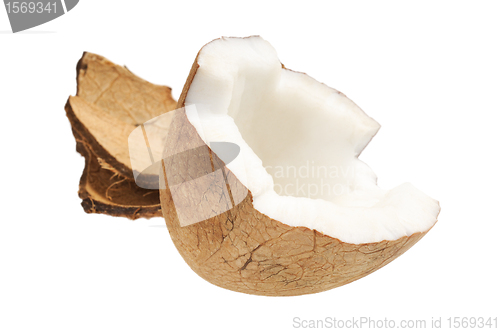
(299, 145)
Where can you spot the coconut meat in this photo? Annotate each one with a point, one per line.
(299, 145)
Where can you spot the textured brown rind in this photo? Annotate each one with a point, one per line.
(107, 184)
(246, 251)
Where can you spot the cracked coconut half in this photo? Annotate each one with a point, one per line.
(110, 103)
(296, 212)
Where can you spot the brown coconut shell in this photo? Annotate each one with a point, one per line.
(110, 103)
(246, 251)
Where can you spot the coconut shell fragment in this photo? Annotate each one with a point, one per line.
(110, 103)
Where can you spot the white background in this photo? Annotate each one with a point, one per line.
(428, 72)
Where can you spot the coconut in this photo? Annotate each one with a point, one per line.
(110, 103)
(248, 224)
